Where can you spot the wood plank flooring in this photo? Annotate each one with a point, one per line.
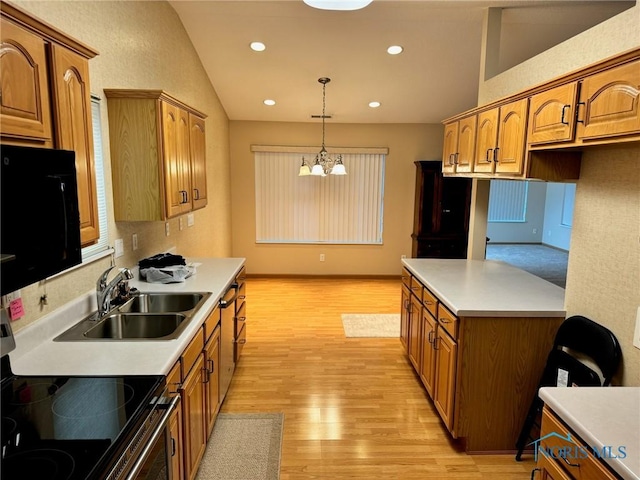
(354, 408)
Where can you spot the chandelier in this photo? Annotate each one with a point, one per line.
(323, 164)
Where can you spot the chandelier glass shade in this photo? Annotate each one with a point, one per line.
(324, 164)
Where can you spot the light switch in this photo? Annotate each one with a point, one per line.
(119, 247)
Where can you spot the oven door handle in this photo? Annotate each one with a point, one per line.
(164, 421)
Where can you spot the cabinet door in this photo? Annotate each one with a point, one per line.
(415, 328)
(552, 115)
(212, 353)
(550, 470)
(486, 141)
(193, 415)
(466, 144)
(405, 310)
(511, 137)
(610, 103)
(175, 142)
(450, 147)
(428, 364)
(72, 104)
(24, 98)
(198, 162)
(175, 429)
(445, 384)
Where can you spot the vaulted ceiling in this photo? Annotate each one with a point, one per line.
(435, 77)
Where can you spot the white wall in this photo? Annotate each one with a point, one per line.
(522, 232)
(556, 233)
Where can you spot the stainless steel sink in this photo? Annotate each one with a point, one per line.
(162, 302)
(146, 316)
(120, 326)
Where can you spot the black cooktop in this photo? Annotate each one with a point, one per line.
(68, 428)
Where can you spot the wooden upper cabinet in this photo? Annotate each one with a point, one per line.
(157, 155)
(25, 111)
(459, 145)
(610, 103)
(72, 113)
(486, 139)
(46, 100)
(198, 162)
(450, 147)
(552, 115)
(509, 157)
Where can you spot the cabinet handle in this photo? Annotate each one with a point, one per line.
(212, 366)
(488, 150)
(444, 320)
(205, 372)
(495, 154)
(241, 319)
(435, 342)
(196, 194)
(429, 337)
(562, 120)
(578, 113)
(455, 158)
(241, 297)
(569, 463)
(173, 447)
(533, 472)
(242, 341)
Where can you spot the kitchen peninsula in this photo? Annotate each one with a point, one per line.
(478, 334)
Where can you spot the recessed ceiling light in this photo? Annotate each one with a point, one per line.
(258, 46)
(394, 50)
(338, 4)
(269, 102)
(374, 104)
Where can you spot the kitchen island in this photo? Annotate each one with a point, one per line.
(478, 334)
(37, 354)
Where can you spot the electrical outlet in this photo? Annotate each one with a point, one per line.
(134, 241)
(190, 220)
(10, 297)
(166, 229)
(322, 257)
(636, 333)
(119, 247)
(535, 230)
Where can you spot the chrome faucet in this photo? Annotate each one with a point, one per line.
(104, 290)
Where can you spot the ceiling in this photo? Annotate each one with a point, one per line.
(435, 77)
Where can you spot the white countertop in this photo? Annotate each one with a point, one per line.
(37, 354)
(602, 416)
(488, 288)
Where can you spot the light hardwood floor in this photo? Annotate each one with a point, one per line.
(354, 408)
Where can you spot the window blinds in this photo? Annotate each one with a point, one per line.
(333, 209)
(508, 201)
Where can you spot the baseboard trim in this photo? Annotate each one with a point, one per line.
(322, 277)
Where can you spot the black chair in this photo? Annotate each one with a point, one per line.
(577, 338)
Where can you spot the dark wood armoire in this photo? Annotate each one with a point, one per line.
(441, 213)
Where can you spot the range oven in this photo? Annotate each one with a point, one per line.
(84, 428)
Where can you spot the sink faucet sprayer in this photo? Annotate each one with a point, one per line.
(104, 291)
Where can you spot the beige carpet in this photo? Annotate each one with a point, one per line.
(371, 324)
(244, 446)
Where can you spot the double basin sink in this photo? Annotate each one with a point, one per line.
(145, 316)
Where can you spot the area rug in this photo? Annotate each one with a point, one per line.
(371, 324)
(244, 446)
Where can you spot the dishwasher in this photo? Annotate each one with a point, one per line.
(227, 339)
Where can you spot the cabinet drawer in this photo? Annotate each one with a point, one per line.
(174, 378)
(210, 324)
(240, 318)
(448, 321)
(241, 339)
(190, 354)
(430, 301)
(584, 466)
(406, 278)
(416, 287)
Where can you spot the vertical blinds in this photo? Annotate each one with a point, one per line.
(333, 209)
(508, 201)
(103, 242)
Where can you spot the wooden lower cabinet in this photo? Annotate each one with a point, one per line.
(581, 464)
(405, 311)
(175, 428)
(446, 357)
(193, 407)
(212, 357)
(481, 372)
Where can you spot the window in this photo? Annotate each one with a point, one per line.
(101, 247)
(332, 209)
(508, 201)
